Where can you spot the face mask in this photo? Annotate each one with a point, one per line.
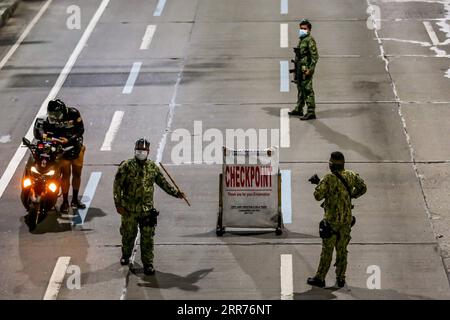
(302, 33)
(141, 154)
(54, 117)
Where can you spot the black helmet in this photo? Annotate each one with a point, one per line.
(305, 22)
(56, 110)
(337, 161)
(142, 144)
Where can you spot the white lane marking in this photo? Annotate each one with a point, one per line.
(285, 138)
(20, 153)
(287, 279)
(162, 143)
(284, 38)
(284, 76)
(431, 33)
(148, 36)
(88, 195)
(286, 196)
(57, 278)
(284, 6)
(159, 8)
(24, 34)
(112, 131)
(132, 78)
(5, 138)
(422, 43)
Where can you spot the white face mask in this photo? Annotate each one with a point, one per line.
(302, 33)
(141, 154)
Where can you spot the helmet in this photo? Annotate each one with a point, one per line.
(142, 144)
(337, 161)
(56, 110)
(337, 157)
(306, 22)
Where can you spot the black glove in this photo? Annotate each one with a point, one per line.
(314, 179)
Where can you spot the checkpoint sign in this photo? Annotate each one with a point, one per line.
(250, 188)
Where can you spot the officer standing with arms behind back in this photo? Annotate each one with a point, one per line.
(305, 59)
(337, 189)
(65, 124)
(133, 198)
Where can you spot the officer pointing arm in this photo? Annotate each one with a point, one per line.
(133, 198)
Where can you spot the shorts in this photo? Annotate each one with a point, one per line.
(78, 162)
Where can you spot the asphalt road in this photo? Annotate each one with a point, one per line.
(382, 99)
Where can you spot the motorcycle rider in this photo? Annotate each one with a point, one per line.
(65, 123)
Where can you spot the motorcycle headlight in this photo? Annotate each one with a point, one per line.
(52, 186)
(26, 183)
(50, 173)
(34, 170)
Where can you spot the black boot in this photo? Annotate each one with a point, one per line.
(308, 116)
(149, 270)
(340, 283)
(75, 202)
(124, 261)
(316, 282)
(295, 113)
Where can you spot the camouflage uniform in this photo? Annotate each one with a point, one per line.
(133, 191)
(308, 60)
(338, 213)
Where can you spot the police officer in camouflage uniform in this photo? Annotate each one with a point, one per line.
(335, 187)
(133, 198)
(306, 63)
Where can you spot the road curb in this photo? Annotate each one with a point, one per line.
(7, 9)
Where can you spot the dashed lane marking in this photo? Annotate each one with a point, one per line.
(159, 8)
(148, 37)
(284, 76)
(112, 131)
(57, 278)
(134, 73)
(88, 195)
(287, 279)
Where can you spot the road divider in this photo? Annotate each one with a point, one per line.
(88, 195)
(134, 73)
(112, 131)
(148, 37)
(57, 278)
(21, 151)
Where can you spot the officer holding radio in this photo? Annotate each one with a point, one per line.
(337, 189)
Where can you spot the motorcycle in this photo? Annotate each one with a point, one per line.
(41, 180)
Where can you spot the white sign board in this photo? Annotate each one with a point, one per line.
(250, 188)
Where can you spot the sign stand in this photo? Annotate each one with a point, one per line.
(269, 217)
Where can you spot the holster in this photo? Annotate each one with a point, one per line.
(325, 230)
(150, 220)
